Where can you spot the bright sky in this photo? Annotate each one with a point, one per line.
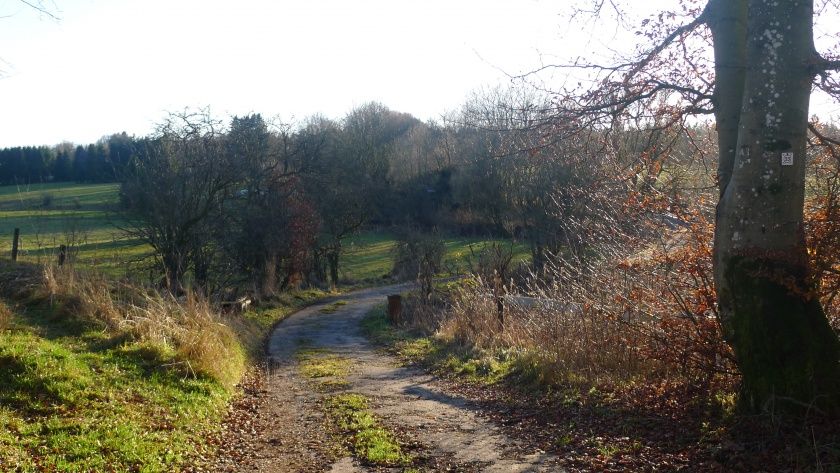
(118, 65)
(114, 65)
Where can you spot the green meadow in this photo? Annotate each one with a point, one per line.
(84, 217)
(369, 255)
(81, 216)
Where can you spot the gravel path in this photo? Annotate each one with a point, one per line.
(445, 428)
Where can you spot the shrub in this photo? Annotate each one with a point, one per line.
(420, 256)
(47, 200)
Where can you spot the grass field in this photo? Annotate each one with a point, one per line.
(369, 255)
(81, 216)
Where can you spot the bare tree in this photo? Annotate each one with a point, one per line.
(175, 182)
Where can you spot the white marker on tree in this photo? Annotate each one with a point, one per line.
(787, 158)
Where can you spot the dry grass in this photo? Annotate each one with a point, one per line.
(200, 338)
(633, 309)
(203, 343)
(5, 316)
(87, 297)
(559, 342)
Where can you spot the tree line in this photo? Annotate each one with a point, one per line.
(274, 203)
(97, 162)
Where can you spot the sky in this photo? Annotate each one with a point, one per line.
(108, 66)
(118, 65)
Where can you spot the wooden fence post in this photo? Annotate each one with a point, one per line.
(62, 254)
(15, 241)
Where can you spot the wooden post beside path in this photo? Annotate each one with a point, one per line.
(395, 308)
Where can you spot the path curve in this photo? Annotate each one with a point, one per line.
(406, 398)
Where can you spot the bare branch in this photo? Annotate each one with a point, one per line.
(40, 7)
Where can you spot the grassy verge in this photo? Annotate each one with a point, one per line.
(256, 324)
(357, 427)
(640, 424)
(76, 398)
(447, 357)
(100, 376)
(277, 309)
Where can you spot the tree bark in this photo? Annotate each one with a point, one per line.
(333, 255)
(268, 274)
(786, 351)
(728, 24)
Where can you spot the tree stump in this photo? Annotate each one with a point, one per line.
(395, 309)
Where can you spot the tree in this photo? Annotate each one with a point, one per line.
(764, 63)
(272, 221)
(337, 185)
(170, 188)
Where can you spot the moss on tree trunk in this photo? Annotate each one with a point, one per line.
(786, 350)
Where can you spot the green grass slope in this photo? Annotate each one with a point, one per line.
(75, 399)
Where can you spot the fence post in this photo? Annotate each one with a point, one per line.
(62, 254)
(15, 241)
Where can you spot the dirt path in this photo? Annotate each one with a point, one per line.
(445, 429)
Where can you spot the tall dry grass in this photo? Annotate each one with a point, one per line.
(5, 316)
(203, 342)
(637, 308)
(561, 341)
(633, 300)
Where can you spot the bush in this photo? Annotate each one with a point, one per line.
(420, 256)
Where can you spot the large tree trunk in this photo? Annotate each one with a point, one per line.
(787, 353)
